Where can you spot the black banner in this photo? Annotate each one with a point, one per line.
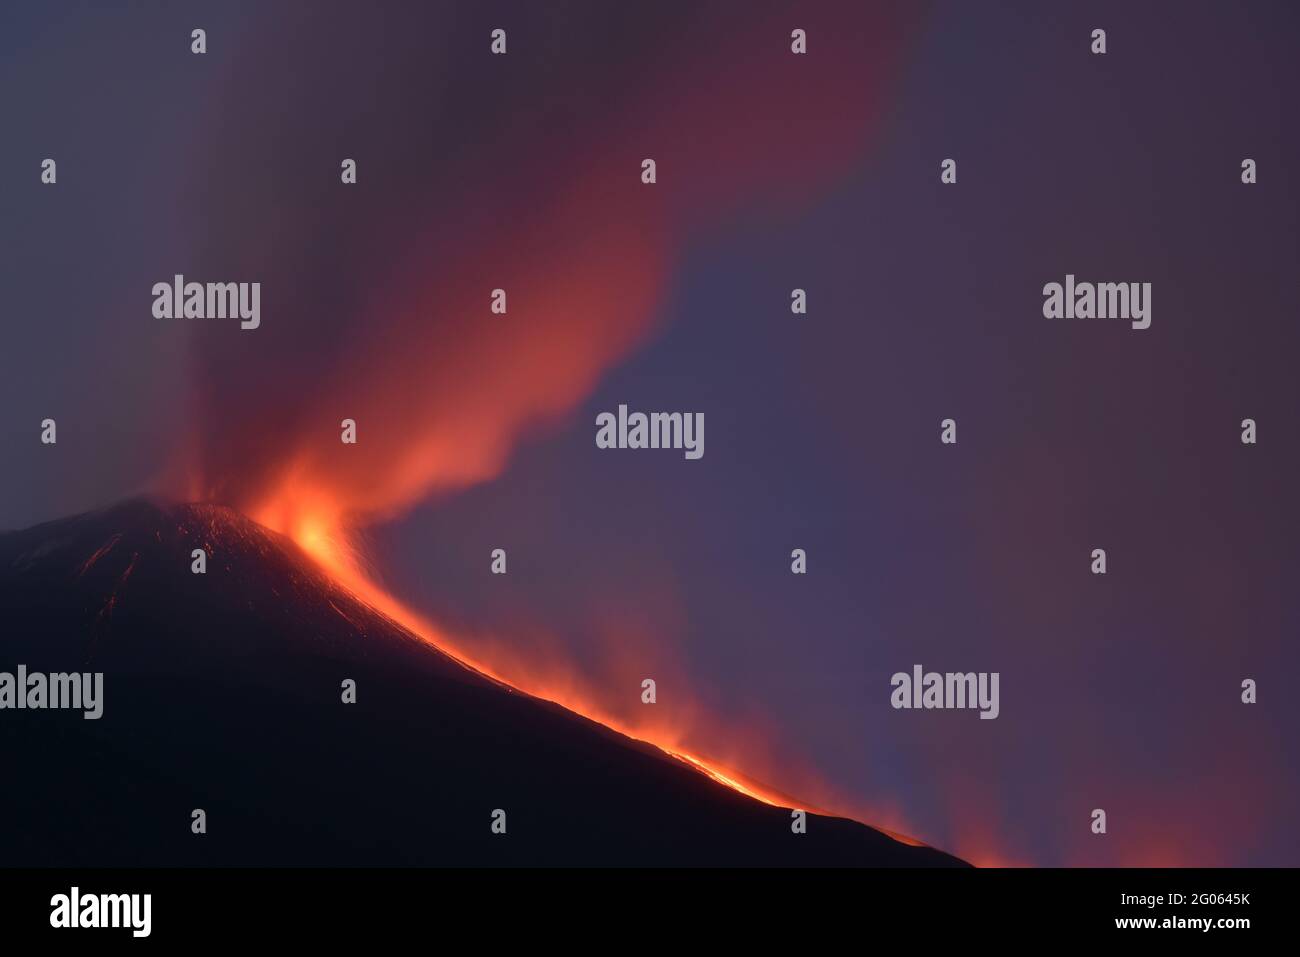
(330, 906)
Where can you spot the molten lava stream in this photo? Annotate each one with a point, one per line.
(332, 551)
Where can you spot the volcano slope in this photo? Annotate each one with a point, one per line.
(222, 691)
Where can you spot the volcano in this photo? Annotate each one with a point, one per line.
(222, 692)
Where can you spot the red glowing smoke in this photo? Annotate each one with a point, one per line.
(398, 334)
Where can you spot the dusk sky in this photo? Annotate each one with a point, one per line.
(775, 172)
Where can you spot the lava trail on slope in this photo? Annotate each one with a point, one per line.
(222, 691)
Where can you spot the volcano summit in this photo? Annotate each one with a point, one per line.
(226, 698)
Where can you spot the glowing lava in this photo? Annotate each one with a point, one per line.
(328, 545)
(319, 534)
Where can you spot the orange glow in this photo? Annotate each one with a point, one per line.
(443, 393)
(317, 533)
(314, 526)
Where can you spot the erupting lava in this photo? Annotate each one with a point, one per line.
(441, 393)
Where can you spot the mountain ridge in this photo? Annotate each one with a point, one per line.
(222, 692)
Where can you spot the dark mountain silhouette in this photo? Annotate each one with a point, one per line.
(222, 692)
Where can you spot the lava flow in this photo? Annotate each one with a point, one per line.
(328, 545)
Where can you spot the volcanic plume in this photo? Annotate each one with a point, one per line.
(376, 297)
